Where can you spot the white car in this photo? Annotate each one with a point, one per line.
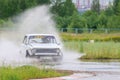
(41, 45)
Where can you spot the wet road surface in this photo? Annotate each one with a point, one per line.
(98, 70)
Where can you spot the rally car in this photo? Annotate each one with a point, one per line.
(41, 46)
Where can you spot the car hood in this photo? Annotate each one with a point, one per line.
(33, 45)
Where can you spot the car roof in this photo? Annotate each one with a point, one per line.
(39, 35)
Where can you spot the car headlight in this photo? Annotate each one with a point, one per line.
(57, 50)
(33, 50)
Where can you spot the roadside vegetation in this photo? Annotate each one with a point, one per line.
(96, 50)
(27, 72)
(94, 36)
(101, 50)
(65, 14)
(105, 46)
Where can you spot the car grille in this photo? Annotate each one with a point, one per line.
(46, 50)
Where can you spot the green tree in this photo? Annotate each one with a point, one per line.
(102, 20)
(116, 7)
(92, 21)
(10, 8)
(109, 11)
(88, 13)
(69, 8)
(113, 22)
(41, 2)
(57, 7)
(62, 22)
(63, 11)
(95, 6)
(63, 8)
(77, 22)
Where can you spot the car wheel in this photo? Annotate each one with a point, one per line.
(27, 54)
(57, 58)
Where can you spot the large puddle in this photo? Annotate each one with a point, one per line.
(71, 62)
(103, 70)
(89, 66)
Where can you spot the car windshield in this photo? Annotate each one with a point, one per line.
(42, 39)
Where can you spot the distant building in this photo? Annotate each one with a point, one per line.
(86, 4)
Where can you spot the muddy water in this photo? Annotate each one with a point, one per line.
(71, 62)
(102, 70)
(90, 66)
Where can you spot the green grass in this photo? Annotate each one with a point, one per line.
(87, 36)
(106, 46)
(27, 72)
(97, 50)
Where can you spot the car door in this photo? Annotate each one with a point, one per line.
(24, 46)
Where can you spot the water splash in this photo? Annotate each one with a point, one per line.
(35, 20)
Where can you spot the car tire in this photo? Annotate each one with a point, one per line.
(27, 54)
(57, 58)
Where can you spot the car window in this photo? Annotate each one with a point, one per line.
(42, 39)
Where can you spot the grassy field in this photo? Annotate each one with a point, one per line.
(95, 36)
(96, 50)
(106, 46)
(27, 72)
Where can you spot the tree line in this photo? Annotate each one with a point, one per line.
(10, 8)
(95, 18)
(66, 14)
